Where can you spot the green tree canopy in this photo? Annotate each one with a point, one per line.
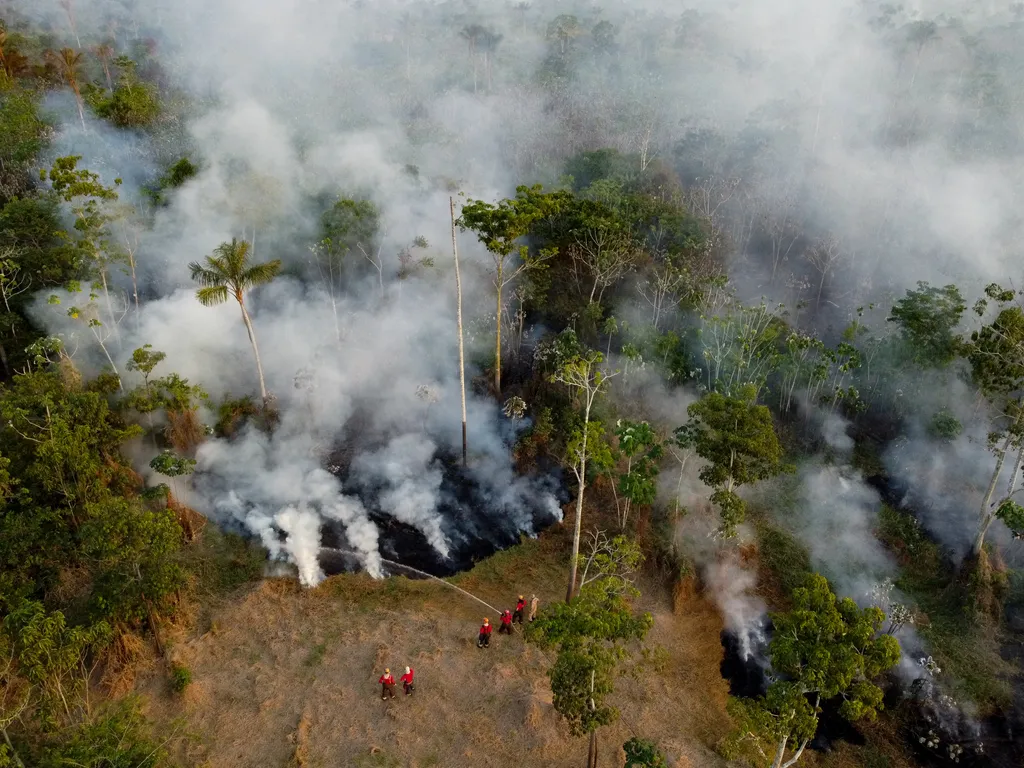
(132, 104)
(928, 318)
(229, 272)
(590, 633)
(823, 648)
(736, 437)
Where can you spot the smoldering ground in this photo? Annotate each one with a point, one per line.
(794, 123)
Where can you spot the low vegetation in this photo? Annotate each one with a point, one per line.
(612, 348)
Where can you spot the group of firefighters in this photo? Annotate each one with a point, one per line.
(387, 680)
(507, 618)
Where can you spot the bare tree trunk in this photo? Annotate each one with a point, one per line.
(497, 343)
(780, 753)
(989, 516)
(985, 515)
(255, 349)
(110, 307)
(796, 755)
(462, 359)
(81, 111)
(571, 591)
(135, 293)
(592, 751)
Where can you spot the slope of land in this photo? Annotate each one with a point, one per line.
(286, 676)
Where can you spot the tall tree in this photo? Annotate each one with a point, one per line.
(348, 225)
(590, 632)
(14, 281)
(928, 318)
(482, 43)
(500, 227)
(996, 356)
(105, 53)
(583, 376)
(563, 29)
(68, 61)
(642, 449)
(228, 272)
(736, 437)
(458, 305)
(604, 253)
(89, 314)
(90, 203)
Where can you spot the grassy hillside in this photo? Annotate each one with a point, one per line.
(286, 676)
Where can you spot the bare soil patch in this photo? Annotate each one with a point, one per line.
(285, 676)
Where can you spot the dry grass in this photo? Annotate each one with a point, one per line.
(184, 430)
(123, 660)
(287, 676)
(192, 523)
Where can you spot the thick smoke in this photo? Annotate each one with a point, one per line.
(732, 588)
(833, 119)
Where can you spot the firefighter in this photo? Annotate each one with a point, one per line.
(506, 623)
(387, 683)
(520, 606)
(534, 602)
(484, 641)
(407, 680)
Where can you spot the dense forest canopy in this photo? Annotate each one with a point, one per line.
(730, 275)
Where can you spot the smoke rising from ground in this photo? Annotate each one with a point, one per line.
(732, 588)
(832, 120)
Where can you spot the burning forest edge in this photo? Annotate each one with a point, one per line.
(752, 337)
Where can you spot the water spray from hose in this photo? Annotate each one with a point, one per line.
(417, 571)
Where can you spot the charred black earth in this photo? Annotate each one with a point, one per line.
(475, 525)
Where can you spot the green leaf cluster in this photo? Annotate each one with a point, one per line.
(824, 648)
(643, 753)
(132, 104)
(928, 318)
(737, 439)
(590, 633)
(70, 503)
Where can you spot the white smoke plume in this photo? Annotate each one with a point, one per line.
(732, 588)
(837, 518)
(294, 101)
(408, 481)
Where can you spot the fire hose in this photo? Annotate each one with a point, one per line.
(417, 571)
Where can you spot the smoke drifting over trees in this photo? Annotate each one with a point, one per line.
(750, 205)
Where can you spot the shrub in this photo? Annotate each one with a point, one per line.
(181, 677)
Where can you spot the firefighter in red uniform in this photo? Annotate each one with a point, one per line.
(407, 680)
(484, 641)
(520, 607)
(506, 623)
(387, 682)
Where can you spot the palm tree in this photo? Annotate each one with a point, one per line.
(67, 60)
(228, 272)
